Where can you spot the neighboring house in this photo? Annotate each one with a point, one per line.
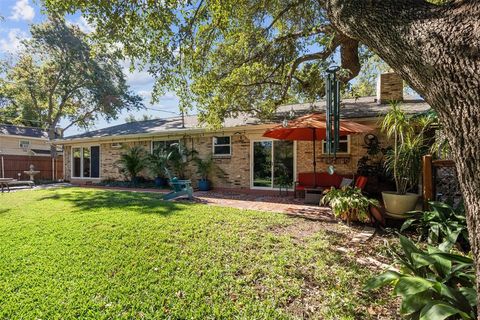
(249, 161)
(21, 146)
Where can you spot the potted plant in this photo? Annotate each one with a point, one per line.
(156, 163)
(403, 161)
(349, 204)
(132, 162)
(204, 168)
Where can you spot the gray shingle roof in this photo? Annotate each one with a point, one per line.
(365, 107)
(8, 129)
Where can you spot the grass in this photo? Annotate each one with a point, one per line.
(90, 254)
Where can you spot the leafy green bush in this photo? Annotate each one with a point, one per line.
(132, 162)
(349, 203)
(441, 225)
(157, 161)
(404, 161)
(178, 158)
(433, 284)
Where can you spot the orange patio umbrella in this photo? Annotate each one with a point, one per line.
(312, 127)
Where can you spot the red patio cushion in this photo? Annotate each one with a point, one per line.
(324, 180)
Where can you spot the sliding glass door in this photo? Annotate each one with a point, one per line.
(272, 163)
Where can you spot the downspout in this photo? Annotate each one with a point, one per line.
(3, 168)
(53, 169)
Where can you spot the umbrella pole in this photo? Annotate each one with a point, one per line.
(314, 162)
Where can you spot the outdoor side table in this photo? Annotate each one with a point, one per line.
(313, 195)
(283, 187)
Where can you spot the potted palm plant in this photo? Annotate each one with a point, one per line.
(132, 162)
(156, 163)
(403, 161)
(204, 169)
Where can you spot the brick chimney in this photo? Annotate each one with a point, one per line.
(389, 87)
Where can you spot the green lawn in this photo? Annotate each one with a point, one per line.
(84, 253)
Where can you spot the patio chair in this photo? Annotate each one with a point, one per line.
(179, 187)
(361, 182)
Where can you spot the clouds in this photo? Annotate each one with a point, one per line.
(13, 42)
(22, 10)
(83, 25)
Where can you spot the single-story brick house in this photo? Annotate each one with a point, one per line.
(237, 147)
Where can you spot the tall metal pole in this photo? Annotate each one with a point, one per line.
(328, 114)
(314, 160)
(336, 115)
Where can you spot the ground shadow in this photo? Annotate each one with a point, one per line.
(4, 210)
(140, 202)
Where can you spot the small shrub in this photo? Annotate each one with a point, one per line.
(432, 284)
(157, 162)
(132, 162)
(348, 203)
(441, 225)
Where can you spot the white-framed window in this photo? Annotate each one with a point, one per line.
(343, 145)
(164, 144)
(86, 162)
(24, 144)
(222, 146)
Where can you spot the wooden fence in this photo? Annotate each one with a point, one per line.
(50, 168)
(440, 181)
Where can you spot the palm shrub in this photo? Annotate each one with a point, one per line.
(432, 284)
(204, 167)
(157, 161)
(132, 162)
(178, 158)
(349, 203)
(404, 160)
(442, 225)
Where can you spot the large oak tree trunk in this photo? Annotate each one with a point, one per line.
(436, 49)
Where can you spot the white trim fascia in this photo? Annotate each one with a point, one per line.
(159, 135)
(24, 137)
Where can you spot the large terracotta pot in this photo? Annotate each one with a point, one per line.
(399, 203)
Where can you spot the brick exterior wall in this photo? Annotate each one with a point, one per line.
(236, 167)
(389, 88)
(345, 164)
(234, 170)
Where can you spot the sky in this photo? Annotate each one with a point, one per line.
(18, 15)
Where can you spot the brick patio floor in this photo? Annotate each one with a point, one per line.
(247, 201)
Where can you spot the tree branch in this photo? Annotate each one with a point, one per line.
(280, 15)
(308, 57)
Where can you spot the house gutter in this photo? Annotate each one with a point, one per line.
(23, 137)
(176, 133)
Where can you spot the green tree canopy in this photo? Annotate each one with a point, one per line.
(226, 57)
(61, 74)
